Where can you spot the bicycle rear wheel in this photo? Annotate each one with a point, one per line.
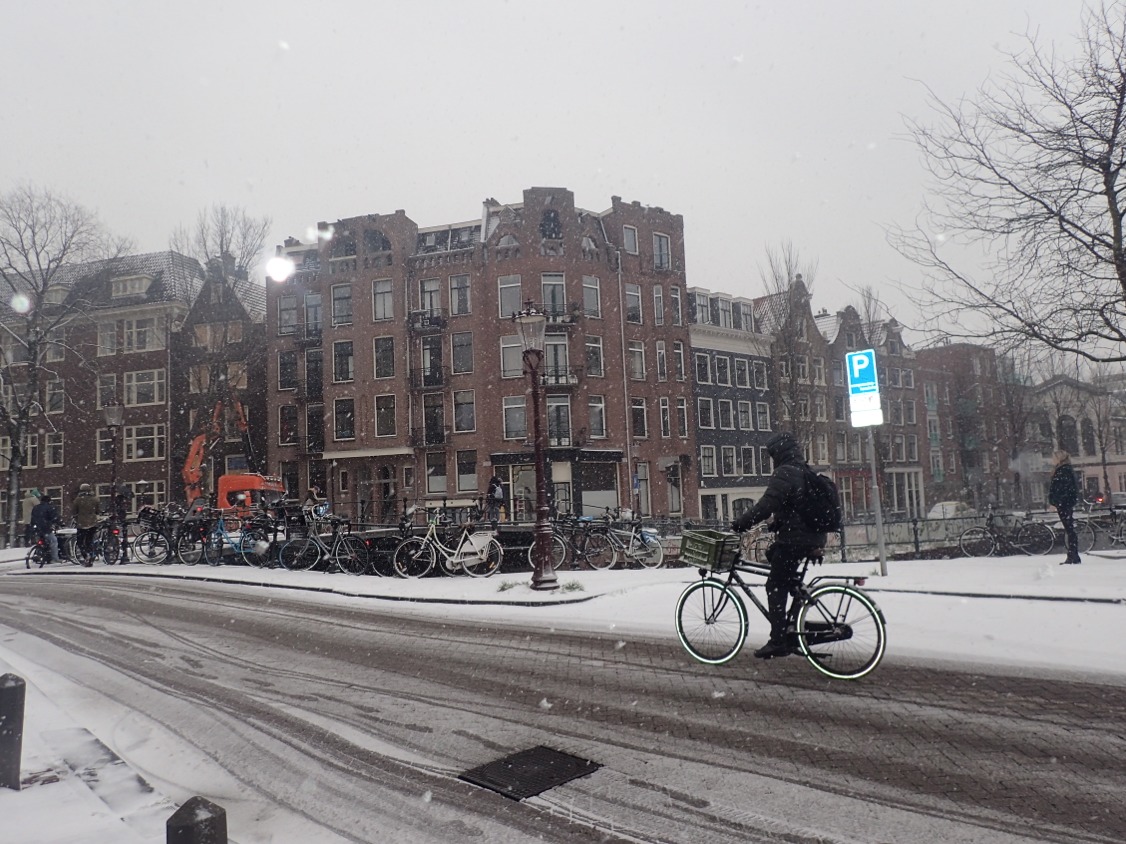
(1086, 535)
(711, 621)
(599, 551)
(646, 549)
(841, 631)
(351, 554)
(255, 547)
(152, 547)
(413, 557)
(1035, 538)
(300, 554)
(189, 547)
(37, 556)
(558, 551)
(976, 542)
(485, 562)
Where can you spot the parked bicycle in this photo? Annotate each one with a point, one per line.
(994, 537)
(475, 553)
(632, 543)
(343, 549)
(831, 621)
(578, 540)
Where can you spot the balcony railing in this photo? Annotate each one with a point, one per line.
(427, 320)
(435, 376)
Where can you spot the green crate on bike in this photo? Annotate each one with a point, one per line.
(709, 549)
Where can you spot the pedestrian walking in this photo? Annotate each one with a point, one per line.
(30, 499)
(1063, 493)
(494, 497)
(86, 520)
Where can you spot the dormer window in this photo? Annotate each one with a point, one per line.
(55, 295)
(508, 241)
(550, 227)
(133, 285)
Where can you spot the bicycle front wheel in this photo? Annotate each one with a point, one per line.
(711, 621)
(1035, 538)
(152, 547)
(37, 556)
(351, 554)
(413, 557)
(841, 631)
(598, 552)
(300, 554)
(255, 548)
(1085, 532)
(213, 547)
(558, 551)
(486, 561)
(646, 549)
(189, 547)
(976, 542)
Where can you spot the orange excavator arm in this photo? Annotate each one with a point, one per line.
(202, 444)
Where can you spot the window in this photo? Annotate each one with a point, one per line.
(703, 368)
(727, 460)
(894, 377)
(130, 286)
(674, 305)
(384, 357)
(596, 405)
(556, 366)
(784, 369)
(435, 472)
(107, 344)
(344, 419)
(465, 411)
(56, 346)
(107, 390)
(508, 295)
(287, 314)
(342, 304)
(678, 359)
(459, 298)
(759, 368)
(639, 418)
(682, 417)
(666, 417)
(838, 373)
(592, 297)
(726, 414)
(762, 411)
(287, 424)
(747, 460)
(801, 368)
(558, 421)
(746, 416)
(912, 448)
(629, 239)
(287, 370)
(462, 351)
(658, 306)
(315, 428)
(53, 448)
(382, 301)
(703, 309)
(554, 294)
(515, 420)
(819, 413)
(909, 416)
(839, 409)
(141, 335)
(145, 386)
(312, 313)
(723, 370)
(742, 373)
(704, 411)
(144, 442)
(594, 358)
(511, 357)
(637, 360)
(342, 361)
(765, 464)
(707, 461)
(633, 303)
(55, 395)
(819, 370)
(662, 362)
(466, 470)
(430, 295)
(821, 449)
(385, 416)
(662, 255)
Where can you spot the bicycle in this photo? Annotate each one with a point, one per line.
(635, 544)
(39, 555)
(1028, 537)
(346, 550)
(222, 532)
(579, 540)
(159, 530)
(477, 553)
(832, 622)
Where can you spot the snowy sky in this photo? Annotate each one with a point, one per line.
(1019, 632)
(760, 122)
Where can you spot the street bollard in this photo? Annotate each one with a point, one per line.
(12, 692)
(198, 821)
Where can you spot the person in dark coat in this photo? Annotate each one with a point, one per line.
(793, 541)
(44, 520)
(494, 497)
(1063, 493)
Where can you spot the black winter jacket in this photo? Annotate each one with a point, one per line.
(1064, 489)
(786, 484)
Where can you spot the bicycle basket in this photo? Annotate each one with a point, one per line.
(709, 549)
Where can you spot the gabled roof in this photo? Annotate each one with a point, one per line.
(176, 277)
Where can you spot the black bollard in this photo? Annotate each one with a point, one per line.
(199, 821)
(12, 692)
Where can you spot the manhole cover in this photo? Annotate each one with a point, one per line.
(530, 772)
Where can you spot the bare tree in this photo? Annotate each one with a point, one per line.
(1029, 173)
(44, 238)
(787, 317)
(224, 234)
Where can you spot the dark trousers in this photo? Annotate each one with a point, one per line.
(85, 540)
(784, 561)
(1066, 512)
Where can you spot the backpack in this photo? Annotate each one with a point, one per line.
(498, 493)
(820, 505)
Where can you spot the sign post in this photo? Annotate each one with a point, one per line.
(866, 412)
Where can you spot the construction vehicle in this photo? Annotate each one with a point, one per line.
(255, 487)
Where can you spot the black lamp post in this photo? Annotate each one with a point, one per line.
(114, 418)
(532, 324)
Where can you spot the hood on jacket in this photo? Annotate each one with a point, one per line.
(783, 448)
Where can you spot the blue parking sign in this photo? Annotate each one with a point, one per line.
(861, 368)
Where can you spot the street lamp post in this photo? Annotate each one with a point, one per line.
(114, 418)
(532, 324)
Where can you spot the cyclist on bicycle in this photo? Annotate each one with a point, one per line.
(793, 542)
(44, 520)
